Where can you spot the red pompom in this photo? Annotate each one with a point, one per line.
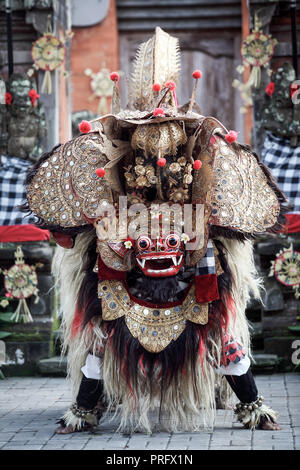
(197, 74)
(161, 161)
(100, 172)
(231, 136)
(114, 76)
(8, 98)
(170, 85)
(270, 89)
(158, 112)
(197, 164)
(156, 87)
(84, 127)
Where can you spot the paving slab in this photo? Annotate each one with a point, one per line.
(29, 409)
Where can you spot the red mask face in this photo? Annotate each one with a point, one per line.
(162, 257)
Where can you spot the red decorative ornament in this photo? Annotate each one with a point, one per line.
(158, 112)
(231, 137)
(197, 74)
(171, 85)
(114, 76)
(84, 127)
(8, 98)
(293, 89)
(33, 95)
(161, 162)
(156, 87)
(100, 172)
(197, 164)
(270, 89)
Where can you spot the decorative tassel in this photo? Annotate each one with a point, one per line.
(22, 313)
(255, 77)
(47, 83)
(172, 87)
(196, 75)
(156, 87)
(116, 101)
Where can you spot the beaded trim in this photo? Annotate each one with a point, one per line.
(81, 413)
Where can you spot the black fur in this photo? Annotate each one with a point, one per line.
(88, 301)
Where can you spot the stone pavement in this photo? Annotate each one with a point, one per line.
(29, 408)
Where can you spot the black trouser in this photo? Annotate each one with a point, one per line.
(90, 392)
(243, 386)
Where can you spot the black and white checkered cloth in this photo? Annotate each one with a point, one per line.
(207, 264)
(284, 163)
(13, 172)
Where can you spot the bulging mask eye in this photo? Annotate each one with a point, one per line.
(173, 241)
(143, 243)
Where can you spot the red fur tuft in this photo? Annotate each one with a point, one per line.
(161, 161)
(197, 74)
(158, 112)
(77, 322)
(156, 87)
(100, 172)
(231, 137)
(197, 164)
(171, 85)
(114, 76)
(84, 127)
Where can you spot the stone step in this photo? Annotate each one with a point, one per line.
(263, 362)
(54, 366)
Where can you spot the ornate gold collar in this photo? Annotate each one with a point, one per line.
(155, 328)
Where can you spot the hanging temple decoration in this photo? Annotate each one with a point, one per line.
(20, 282)
(154, 310)
(257, 50)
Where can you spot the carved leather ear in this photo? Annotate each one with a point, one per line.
(242, 197)
(65, 190)
(241, 191)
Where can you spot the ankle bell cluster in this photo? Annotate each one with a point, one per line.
(86, 415)
(249, 406)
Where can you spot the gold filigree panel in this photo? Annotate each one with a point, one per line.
(241, 196)
(155, 328)
(66, 188)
